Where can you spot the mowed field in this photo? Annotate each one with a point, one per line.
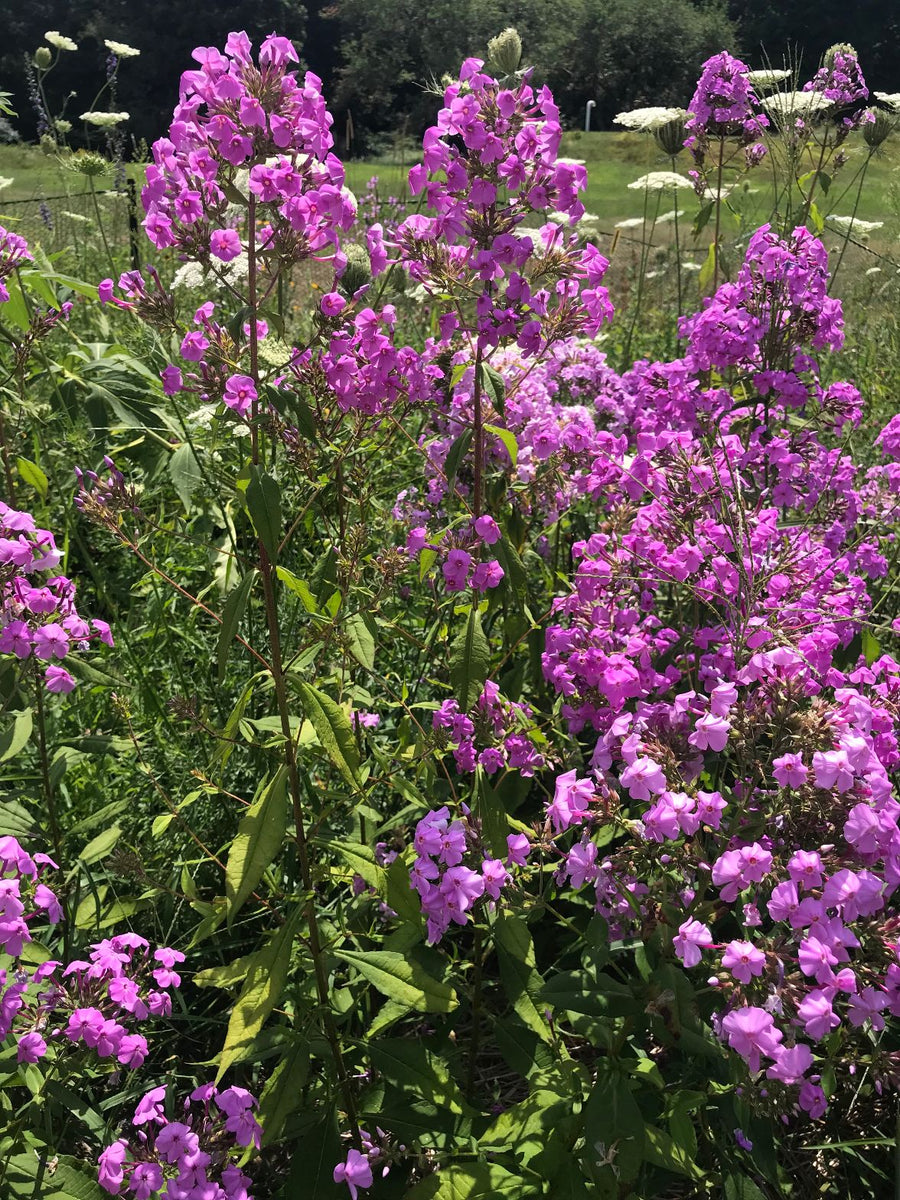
(613, 160)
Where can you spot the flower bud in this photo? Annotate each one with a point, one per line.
(875, 132)
(87, 162)
(42, 58)
(833, 51)
(505, 51)
(358, 272)
(670, 136)
(48, 144)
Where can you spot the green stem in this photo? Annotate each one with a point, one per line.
(109, 253)
(267, 573)
(477, 435)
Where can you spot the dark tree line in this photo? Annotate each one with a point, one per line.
(378, 57)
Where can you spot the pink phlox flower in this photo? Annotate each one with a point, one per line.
(692, 937)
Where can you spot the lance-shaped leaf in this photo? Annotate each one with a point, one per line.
(261, 992)
(264, 506)
(470, 661)
(401, 979)
(333, 729)
(231, 619)
(257, 842)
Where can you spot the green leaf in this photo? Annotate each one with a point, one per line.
(185, 473)
(59, 1177)
(708, 270)
(742, 1187)
(703, 217)
(470, 661)
(870, 647)
(591, 994)
(518, 971)
(473, 1181)
(401, 978)
(360, 630)
(264, 506)
(231, 619)
(495, 386)
(299, 587)
(816, 217)
(32, 474)
(283, 1093)
(408, 1066)
(257, 841)
(332, 726)
(508, 438)
(262, 990)
(514, 572)
(662, 1151)
(525, 1129)
(73, 1102)
(16, 735)
(492, 814)
(457, 452)
(227, 976)
(101, 845)
(15, 819)
(613, 1124)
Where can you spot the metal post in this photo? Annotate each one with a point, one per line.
(587, 115)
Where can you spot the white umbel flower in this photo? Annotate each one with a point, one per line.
(673, 215)
(630, 223)
(645, 120)
(56, 39)
(120, 49)
(891, 99)
(104, 120)
(795, 104)
(5, 181)
(767, 78)
(660, 181)
(854, 223)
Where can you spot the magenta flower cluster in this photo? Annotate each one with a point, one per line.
(91, 1004)
(495, 736)
(743, 766)
(724, 103)
(13, 253)
(24, 897)
(191, 1158)
(448, 888)
(40, 622)
(475, 246)
(841, 81)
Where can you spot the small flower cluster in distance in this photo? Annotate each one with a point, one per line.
(192, 1158)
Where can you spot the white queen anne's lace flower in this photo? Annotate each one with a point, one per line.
(795, 104)
(660, 181)
(767, 78)
(890, 99)
(120, 49)
(104, 120)
(58, 41)
(855, 223)
(645, 120)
